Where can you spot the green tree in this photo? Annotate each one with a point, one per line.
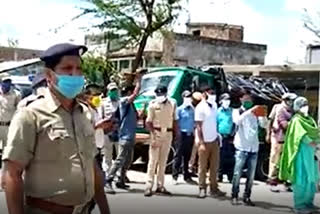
(132, 22)
(98, 70)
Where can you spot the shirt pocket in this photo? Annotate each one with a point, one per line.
(88, 142)
(58, 134)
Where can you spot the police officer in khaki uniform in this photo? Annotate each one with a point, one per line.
(51, 141)
(9, 99)
(39, 86)
(161, 122)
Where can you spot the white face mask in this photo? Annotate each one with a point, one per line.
(211, 98)
(305, 110)
(187, 101)
(161, 98)
(225, 103)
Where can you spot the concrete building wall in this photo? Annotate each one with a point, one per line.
(313, 54)
(17, 54)
(216, 31)
(205, 51)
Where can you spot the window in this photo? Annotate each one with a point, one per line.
(124, 64)
(196, 32)
(151, 81)
(115, 65)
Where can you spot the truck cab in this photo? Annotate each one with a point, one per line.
(177, 79)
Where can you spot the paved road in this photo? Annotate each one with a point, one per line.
(185, 200)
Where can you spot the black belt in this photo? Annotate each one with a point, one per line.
(47, 206)
(187, 133)
(160, 129)
(2, 123)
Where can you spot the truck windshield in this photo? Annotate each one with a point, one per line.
(151, 81)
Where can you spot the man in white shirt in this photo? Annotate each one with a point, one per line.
(246, 141)
(207, 138)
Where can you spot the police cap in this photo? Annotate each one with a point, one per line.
(161, 89)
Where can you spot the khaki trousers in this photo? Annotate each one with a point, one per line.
(158, 157)
(211, 156)
(193, 157)
(3, 136)
(275, 153)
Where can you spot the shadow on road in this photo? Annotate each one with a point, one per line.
(274, 207)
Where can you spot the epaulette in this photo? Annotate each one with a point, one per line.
(34, 98)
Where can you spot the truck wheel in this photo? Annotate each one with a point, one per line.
(262, 166)
(170, 159)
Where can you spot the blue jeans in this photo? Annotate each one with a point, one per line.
(243, 158)
(122, 162)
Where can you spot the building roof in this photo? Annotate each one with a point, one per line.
(252, 46)
(212, 24)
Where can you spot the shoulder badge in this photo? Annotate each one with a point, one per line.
(33, 98)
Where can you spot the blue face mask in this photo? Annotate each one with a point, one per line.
(5, 87)
(70, 86)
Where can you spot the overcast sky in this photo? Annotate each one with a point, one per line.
(277, 23)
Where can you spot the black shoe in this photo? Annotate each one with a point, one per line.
(193, 175)
(121, 185)
(289, 189)
(148, 192)
(217, 194)
(190, 181)
(248, 202)
(163, 191)
(234, 201)
(109, 189)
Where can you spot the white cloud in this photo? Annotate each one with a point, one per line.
(283, 34)
(31, 22)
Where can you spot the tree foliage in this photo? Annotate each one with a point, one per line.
(98, 70)
(312, 24)
(132, 22)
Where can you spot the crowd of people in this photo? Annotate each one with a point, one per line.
(66, 145)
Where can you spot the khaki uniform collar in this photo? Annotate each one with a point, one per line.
(54, 104)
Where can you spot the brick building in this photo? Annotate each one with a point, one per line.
(17, 54)
(202, 44)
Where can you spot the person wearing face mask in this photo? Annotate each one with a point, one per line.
(247, 119)
(39, 87)
(9, 99)
(208, 143)
(185, 118)
(280, 117)
(298, 163)
(162, 124)
(226, 130)
(127, 132)
(109, 108)
(49, 160)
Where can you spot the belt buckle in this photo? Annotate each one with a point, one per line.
(163, 130)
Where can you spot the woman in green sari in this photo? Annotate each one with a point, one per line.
(298, 163)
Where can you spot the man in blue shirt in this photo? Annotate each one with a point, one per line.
(226, 129)
(127, 128)
(185, 118)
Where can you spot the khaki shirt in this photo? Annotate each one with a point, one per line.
(162, 115)
(57, 149)
(8, 105)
